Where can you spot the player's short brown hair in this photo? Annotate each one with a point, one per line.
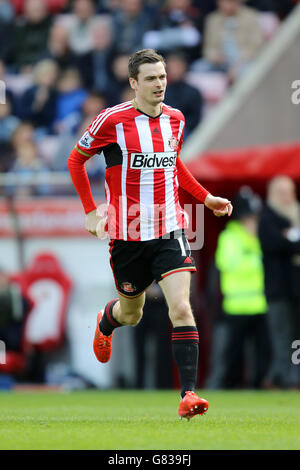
(144, 56)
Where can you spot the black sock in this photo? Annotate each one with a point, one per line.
(185, 341)
(108, 323)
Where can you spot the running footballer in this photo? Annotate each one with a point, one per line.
(141, 142)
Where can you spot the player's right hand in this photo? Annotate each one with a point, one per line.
(95, 224)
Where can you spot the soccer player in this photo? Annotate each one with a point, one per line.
(141, 142)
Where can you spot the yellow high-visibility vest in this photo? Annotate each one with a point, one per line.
(239, 260)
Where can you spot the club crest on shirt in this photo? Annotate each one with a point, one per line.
(86, 140)
(128, 287)
(173, 143)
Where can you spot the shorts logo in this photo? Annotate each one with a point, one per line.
(173, 143)
(188, 260)
(157, 160)
(128, 287)
(86, 140)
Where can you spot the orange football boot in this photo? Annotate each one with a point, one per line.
(102, 344)
(192, 405)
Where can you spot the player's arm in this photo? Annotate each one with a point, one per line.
(220, 206)
(89, 145)
(76, 165)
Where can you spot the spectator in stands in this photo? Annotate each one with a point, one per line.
(181, 12)
(28, 164)
(180, 94)
(85, 19)
(6, 27)
(58, 48)
(279, 232)
(38, 103)
(24, 133)
(15, 84)
(71, 96)
(95, 65)
(8, 122)
(232, 39)
(131, 21)
(239, 261)
(180, 26)
(31, 34)
(118, 79)
(91, 107)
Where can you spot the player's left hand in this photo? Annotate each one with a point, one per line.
(219, 205)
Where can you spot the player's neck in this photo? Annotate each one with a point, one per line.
(147, 108)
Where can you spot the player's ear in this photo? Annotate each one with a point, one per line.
(133, 83)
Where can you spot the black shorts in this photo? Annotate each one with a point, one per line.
(136, 264)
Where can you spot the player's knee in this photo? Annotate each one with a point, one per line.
(181, 312)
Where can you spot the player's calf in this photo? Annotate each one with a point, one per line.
(185, 342)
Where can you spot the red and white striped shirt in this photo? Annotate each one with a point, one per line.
(141, 177)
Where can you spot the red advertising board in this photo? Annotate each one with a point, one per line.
(42, 217)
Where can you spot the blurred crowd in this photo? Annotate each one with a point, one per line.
(64, 61)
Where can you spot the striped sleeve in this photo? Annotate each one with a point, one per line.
(99, 134)
(187, 182)
(185, 179)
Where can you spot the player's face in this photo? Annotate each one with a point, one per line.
(151, 83)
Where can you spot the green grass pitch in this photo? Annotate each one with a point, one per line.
(148, 420)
